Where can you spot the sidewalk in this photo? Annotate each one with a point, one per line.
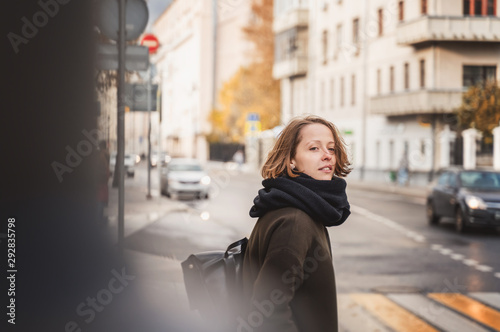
(159, 278)
(387, 187)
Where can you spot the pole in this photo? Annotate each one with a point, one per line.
(148, 196)
(121, 122)
(160, 150)
(433, 148)
(364, 109)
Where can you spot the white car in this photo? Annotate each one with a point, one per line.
(184, 177)
(130, 159)
(161, 158)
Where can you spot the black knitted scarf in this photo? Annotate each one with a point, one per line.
(323, 200)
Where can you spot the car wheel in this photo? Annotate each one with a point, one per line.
(460, 226)
(432, 217)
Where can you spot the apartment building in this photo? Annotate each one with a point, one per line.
(390, 73)
(291, 57)
(202, 46)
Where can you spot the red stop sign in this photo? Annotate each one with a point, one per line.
(150, 41)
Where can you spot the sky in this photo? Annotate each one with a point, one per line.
(156, 7)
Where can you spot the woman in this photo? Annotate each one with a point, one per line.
(288, 269)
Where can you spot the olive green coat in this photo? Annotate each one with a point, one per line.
(288, 275)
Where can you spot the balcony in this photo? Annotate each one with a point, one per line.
(298, 17)
(416, 102)
(295, 66)
(449, 28)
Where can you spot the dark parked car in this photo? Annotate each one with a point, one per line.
(471, 197)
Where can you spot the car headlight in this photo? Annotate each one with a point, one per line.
(475, 203)
(205, 180)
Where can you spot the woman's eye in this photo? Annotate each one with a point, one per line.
(313, 149)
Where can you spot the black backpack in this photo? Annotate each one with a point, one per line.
(214, 282)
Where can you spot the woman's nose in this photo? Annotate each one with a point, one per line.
(327, 155)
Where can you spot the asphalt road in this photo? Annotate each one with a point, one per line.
(389, 262)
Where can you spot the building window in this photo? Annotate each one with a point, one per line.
(391, 154)
(423, 7)
(391, 79)
(422, 73)
(339, 38)
(342, 91)
(353, 90)
(379, 82)
(401, 10)
(407, 76)
(467, 6)
(380, 16)
(324, 41)
(477, 10)
(377, 154)
(322, 91)
(491, 9)
(355, 31)
(473, 75)
(479, 7)
(332, 92)
(290, 44)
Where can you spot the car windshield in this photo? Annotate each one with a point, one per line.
(481, 180)
(185, 167)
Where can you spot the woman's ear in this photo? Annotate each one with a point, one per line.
(292, 166)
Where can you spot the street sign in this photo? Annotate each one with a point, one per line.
(253, 125)
(136, 97)
(136, 57)
(149, 40)
(136, 18)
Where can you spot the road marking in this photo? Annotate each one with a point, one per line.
(434, 313)
(491, 299)
(457, 257)
(389, 223)
(353, 317)
(421, 239)
(446, 251)
(396, 317)
(470, 262)
(469, 307)
(484, 268)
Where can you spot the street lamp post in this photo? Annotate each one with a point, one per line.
(148, 94)
(121, 121)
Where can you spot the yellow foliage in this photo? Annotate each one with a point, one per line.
(481, 107)
(252, 89)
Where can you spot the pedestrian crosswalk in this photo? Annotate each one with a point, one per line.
(412, 312)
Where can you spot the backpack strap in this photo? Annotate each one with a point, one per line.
(233, 258)
(240, 243)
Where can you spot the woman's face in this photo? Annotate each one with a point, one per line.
(315, 153)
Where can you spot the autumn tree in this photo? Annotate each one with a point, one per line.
(252, 89)
(480, 109)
